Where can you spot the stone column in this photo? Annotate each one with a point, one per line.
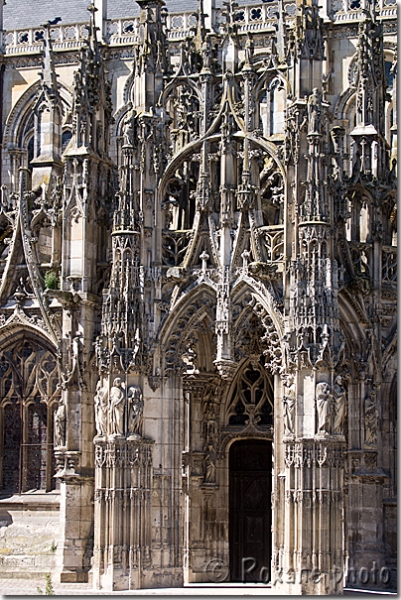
(123, 498)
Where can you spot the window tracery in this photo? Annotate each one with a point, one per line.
(252, 397)
(29, 394)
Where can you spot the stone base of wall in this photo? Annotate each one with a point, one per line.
(29, 534)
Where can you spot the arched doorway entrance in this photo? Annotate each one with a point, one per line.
(250, 466)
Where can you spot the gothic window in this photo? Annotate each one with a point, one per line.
(65, 139)
(183, 107)
(29, 394)
(252, 396)
(272, 109)
(389, 75)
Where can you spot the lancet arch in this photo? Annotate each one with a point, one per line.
(20, 120)
(194, 311)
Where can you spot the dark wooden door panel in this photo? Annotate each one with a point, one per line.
(250, 511)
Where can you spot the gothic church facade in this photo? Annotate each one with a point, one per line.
(198, 259)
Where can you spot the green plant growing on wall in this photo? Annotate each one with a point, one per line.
(49, 589)
(51, 280)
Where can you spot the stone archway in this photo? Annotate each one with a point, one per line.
(220, 416)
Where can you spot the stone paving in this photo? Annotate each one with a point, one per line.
(29, 587)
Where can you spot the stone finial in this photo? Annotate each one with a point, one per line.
(204, 258)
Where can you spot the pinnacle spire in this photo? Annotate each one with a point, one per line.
(48, 74)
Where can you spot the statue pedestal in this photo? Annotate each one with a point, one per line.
(122, 537)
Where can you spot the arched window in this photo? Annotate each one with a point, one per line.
(252, 397)
(272, 106)
(65, 139)
(29, 396)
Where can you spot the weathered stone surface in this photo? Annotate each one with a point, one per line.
(198, 248)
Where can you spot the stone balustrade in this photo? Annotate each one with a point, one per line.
(122, 32)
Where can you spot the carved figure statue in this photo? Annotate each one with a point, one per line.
(315, 111)
(210, 465)
(289, 406)
(101, 409)
(206, 54)
(249, 50)
(324, 409)
(370, 420)
(59, 425)
(339, 394)
(135, 410)
(128, 129)
(117, 405)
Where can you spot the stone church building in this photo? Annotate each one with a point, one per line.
(198, 271)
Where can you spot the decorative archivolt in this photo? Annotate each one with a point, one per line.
(169, 90)
(33, 325)
(265, 81)
(251, 297)
(29, 369)
(256, 326)
(344, 103)
(178, 339)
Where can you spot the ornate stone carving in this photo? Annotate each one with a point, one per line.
(101, 409)
(135, 411)
(339, 404)
(324, 408)
(60, 419)
(117, 407)
(289, 399)
(210, 465)
(370, 418)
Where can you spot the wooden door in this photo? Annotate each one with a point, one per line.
(250, 510)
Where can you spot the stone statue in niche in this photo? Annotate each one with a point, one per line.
(206, 54)
(370, 420)
(289, 398)
(248, 50)
(101, 409)
(315, 111)
(117, 405)
(339, 395)
(59, 425)
(135, 410)
(210, 465)
(324, 408)
(128, 129)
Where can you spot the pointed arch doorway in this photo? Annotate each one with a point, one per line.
(250, 518)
